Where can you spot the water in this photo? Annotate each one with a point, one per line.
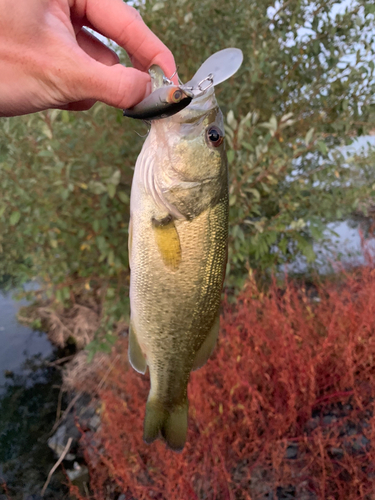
(29, 390)
(344, 248)
(18, 343)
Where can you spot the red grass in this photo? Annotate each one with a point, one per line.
(281, 360)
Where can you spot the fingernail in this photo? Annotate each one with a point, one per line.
(148, 88)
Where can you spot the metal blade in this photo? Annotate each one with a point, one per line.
(221, 65)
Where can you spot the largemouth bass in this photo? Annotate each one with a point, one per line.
(177, 252)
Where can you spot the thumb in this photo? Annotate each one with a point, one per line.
(115, 85)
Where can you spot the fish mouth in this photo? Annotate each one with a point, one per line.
(204, 102)
(198, 109)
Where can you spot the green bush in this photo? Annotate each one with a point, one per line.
(305, 90)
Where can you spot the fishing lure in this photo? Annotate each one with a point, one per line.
(168, 100)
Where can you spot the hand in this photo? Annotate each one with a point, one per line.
(48, 60)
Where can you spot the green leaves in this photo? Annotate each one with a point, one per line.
(230, 156)
(59, 209)
(294, 104)
(283, 196)
(111, 188)
(309, 135)
(124, 197)
(97, 187)
(113, 182)
(322, 147)
(14, 218)
(271, 125)
(103, 342)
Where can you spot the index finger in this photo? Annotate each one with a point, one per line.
(123, 24)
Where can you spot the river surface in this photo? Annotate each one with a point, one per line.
(29, 390)
(344, 248)
(18, 343)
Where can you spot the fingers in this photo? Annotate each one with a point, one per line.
(123, 24)
(115, 85)
(81, 74)
(96, 49)
(83, 105)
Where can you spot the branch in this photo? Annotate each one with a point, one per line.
(69, 407)
(285, 4)
(62, 456)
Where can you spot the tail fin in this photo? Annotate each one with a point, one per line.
(171, 424)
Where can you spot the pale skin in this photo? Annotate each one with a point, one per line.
(49, 60)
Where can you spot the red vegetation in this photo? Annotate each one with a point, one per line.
(4, 489)
(284, 405)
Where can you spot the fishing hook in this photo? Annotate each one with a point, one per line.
(148, 124)
(168, 81)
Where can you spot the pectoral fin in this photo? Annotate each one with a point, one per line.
(168, 242)
(136, 356)
(208, 345)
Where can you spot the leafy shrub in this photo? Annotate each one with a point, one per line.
(285, 404)
(305, 89)
(64, 205)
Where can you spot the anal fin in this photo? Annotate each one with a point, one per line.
(208, 345)
(136, 356)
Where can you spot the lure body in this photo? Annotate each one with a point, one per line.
(163, 102)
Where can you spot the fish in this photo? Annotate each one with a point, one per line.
(178, 239)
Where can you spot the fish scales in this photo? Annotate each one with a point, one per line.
(178, 251)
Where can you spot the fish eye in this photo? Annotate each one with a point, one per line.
(177, 95)
(215, 136)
